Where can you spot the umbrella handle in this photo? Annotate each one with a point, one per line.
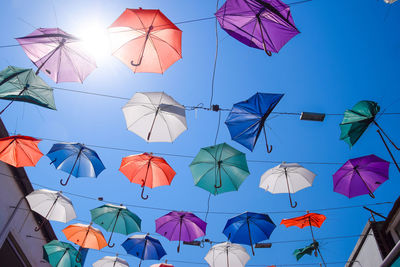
(109, 244)
(371, 195)
(269, 148)
(387, 148)
(37, 228)
(66, 182)
(142, 195)
(295, 204)
(388, 138)
(77, 258)
(263, 41)
(144, 46)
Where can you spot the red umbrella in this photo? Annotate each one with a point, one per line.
(20, 151)
(147, 170)
(145, 40)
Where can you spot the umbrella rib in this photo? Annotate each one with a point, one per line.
(169, 130)
(141, 117)
(161, 40)
(260, 228)
(269, 37)
(72, 64)
(158, 167)
(159, 61)
(205, 173)
(230, 178)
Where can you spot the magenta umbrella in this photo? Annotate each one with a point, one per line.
(361, 176)
(180, 225)
(58, 54)
(262, 24)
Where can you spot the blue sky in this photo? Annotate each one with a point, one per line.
(347, 51)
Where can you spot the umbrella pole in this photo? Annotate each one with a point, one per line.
(366, 185)
(387, 148)
(290, 197)
(269, 148)
(37, 228)
(12, 100)
(52, 53)
(220, 177)
(144, 181)
(77, 258)
(152, 125)
(116, 259)
(388, 138)
(144, 249)
(251, 242)
(180, 231)
(144, 46)
(112, 232)
(227, 257)
(262, 36)
(69, 176)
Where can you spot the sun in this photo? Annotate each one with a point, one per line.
(95, 40)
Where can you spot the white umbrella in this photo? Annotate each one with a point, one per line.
(227, 255)
(287, 178)
(52, 205)
(109, 261)
(155, 116)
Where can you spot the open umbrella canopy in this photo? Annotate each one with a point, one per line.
(109, 261)
(52, 205)
(310, 219)
(180, 225)
(360, 176)
(147, 170)
(249, 228)
(20, 151)
(58, 54)
(144, 247)
(60, 254)
(17, 84)
(116, 219)
(219, 169)
(145, 40)
(85, 236)
(227, 254)
(262, 24)
(155, 116)
(247, 118)
(76, 159)
(287, 178)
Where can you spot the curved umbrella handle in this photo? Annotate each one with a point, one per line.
(267, 52)
(66, 182)
(37, 228)
(269, 148)
(142, 195)
(138, 64)
(109, 244)
(295, 204)
(371, 195)
(262, 37)
(77, 258)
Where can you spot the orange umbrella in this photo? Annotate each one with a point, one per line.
(20, 151)
(147, 170)
(309, 219)
(85, 236)
(145, 40)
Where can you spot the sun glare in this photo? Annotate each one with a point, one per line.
(95, 40)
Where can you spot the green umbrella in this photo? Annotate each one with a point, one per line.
(24, 85)
(300, 252)
(116, 219)
(356, 121)
(59, 253)
(219, 169)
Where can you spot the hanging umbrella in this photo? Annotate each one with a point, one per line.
(356, 121)
(162, 265)
(299, 253)
(390, 1)
(76, 159)
(85, 236)
(309, 219)
(24, 85)
(219, 169)
(116, 219)
(247, 119)
(59, 254)
(20, 151)
(108, 261)
(155, 116)
(361, 176)
(249, 228)
(58, 54)
(262, 24)
(227, 254)
(145, 40)
(144, 247)
(52, 205)
(287, 178)
(147, 170)
(181, 226)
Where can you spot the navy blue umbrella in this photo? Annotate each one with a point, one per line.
(144, 247)
(247, 118)
(249, 228)
(75, 159)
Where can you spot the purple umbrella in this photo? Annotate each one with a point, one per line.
(58, 54)
(262, 24)
(180, 225)
(361, 176)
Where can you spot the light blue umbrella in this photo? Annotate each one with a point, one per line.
(76, 159)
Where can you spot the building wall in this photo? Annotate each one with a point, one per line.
(369, 255)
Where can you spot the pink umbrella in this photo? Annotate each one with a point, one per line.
(181, 226)
(58, 54)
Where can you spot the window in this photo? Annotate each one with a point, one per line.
(12, 255)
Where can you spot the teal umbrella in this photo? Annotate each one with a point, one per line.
(219, 169)
(24, 85)
(59, 254)
(116, 219)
